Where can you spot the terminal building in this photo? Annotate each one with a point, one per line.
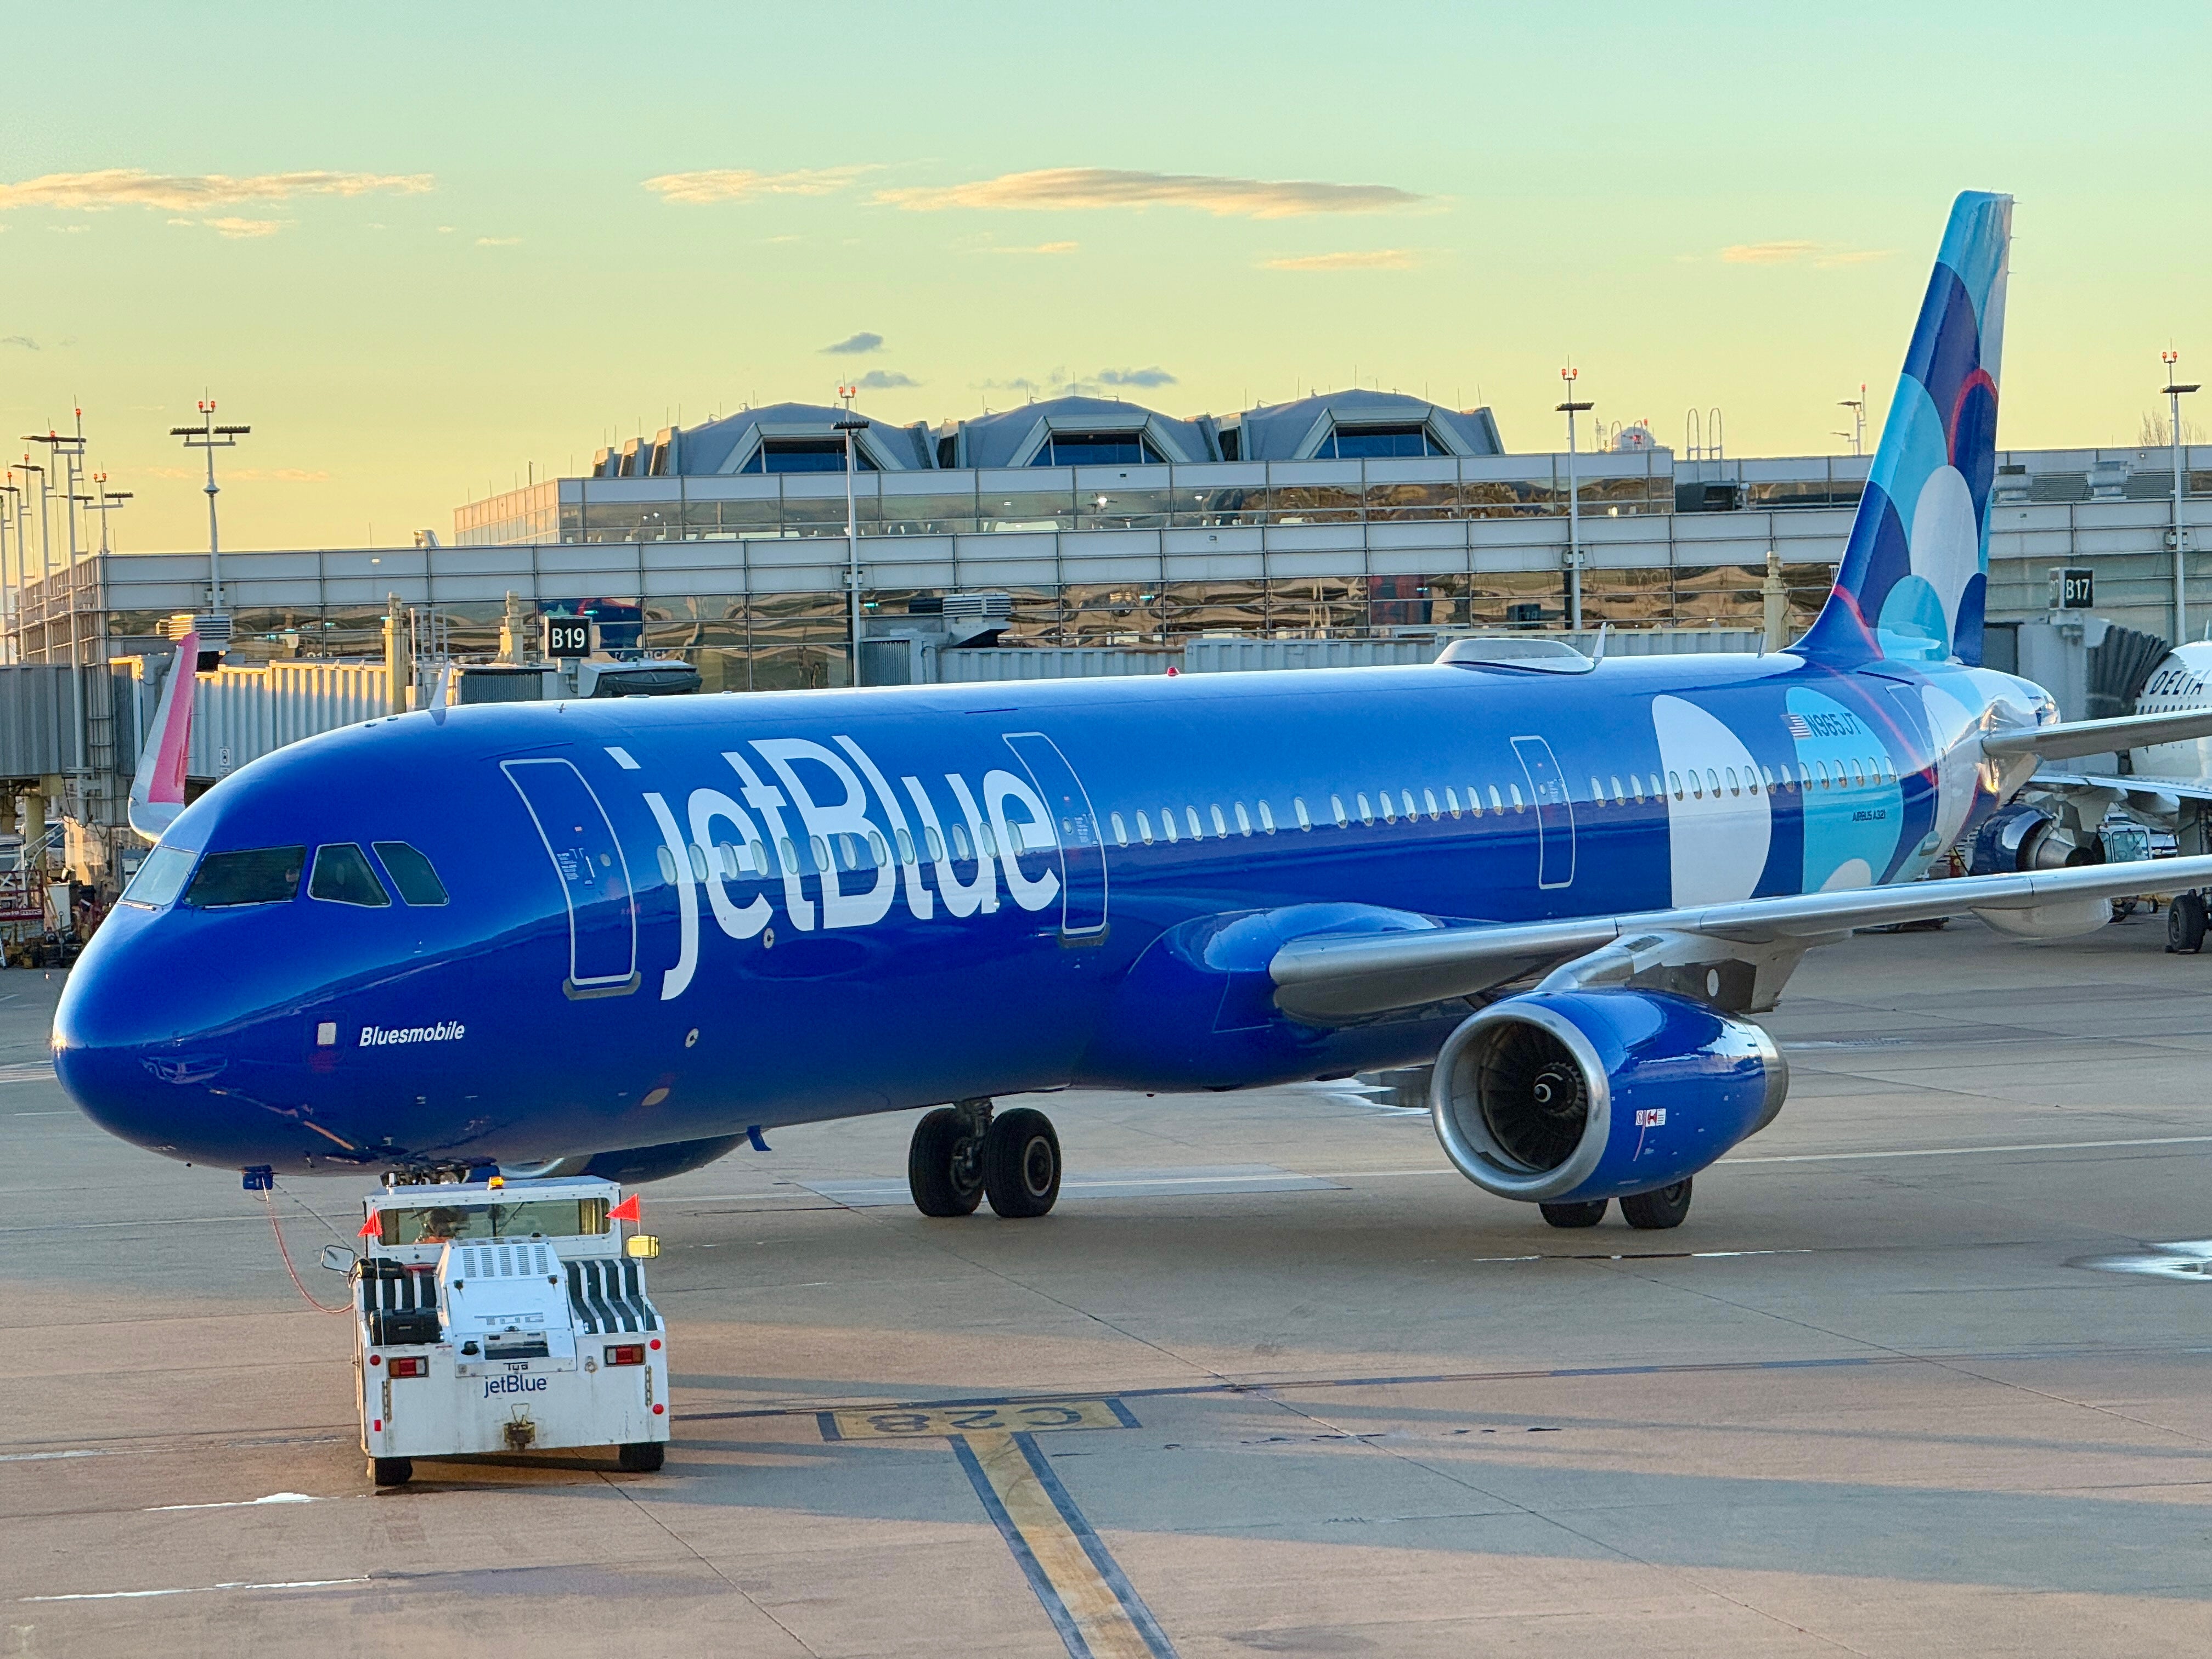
(1086, 525)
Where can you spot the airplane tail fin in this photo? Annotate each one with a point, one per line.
(1916, 570)
(157, 792)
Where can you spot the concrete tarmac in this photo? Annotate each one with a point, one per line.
(1271, 1379)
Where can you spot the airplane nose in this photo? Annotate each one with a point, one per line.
(140, 1044)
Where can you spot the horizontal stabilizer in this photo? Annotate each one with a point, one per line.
(2075, 738)
(1325, 978)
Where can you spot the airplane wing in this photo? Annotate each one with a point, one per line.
(1328, 978)
(2145, 790)
(2073, 737)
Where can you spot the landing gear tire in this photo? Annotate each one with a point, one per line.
(392, 1471)
(641, 1456)
(943, 1168)
(1588, 1213)
(2185, 925)
(1664, 1208)
(1021, 1164)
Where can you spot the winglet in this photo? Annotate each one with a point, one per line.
(1915, 572)
(157, 792)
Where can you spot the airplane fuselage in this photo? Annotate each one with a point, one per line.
(668, 920)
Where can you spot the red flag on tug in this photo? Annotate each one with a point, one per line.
(625, 1211)
(368, 1229)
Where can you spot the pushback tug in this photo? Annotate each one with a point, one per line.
(504, 1317)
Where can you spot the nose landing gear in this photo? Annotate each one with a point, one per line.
(962, 1154)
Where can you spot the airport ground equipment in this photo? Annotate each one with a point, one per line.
(503, 1316)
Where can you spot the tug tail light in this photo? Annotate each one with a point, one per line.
(408, 1365)
(626, 1354)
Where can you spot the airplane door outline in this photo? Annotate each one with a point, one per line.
(1082, 849)
(594, 873)
(1555, 813)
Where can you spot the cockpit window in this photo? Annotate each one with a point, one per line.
(410, 873)
(159, 879)
(267, 875)
(343, 876)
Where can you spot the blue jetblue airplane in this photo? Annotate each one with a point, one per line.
(622, 937)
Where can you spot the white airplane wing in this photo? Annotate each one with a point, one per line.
(1325, 978)
(2074, 737)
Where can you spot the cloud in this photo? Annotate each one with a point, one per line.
(22, 342)
(1140, 376)
(884, 380)
(1381, 259)
(68, 230)
(238, 228)
(499, 241)
(856, 345)
(1061, 384)
(248, 474)
(1070, 188)
(113, 188)
(1766, 253)
(1853, 256)
(744, 185)
(1042, 247)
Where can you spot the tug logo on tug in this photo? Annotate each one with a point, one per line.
(381, 1036)
(512, 1382)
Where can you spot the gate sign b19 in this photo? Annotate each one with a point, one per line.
(568, 637)
(2073, 587)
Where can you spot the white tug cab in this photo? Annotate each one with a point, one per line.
(504, 1317)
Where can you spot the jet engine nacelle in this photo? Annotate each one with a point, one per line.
(632, 1165)
(1577, 1095)
(2018, 838)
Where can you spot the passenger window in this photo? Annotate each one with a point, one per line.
(1496, 804)
(1266, 818)
(1429, 800)
(936, 844)
(1389, 811)
(1767, 774)
(698, 862)
(878, 854)
(1336, 805)
(1121, 831)
(665, 859)
(1298, 807)
(1243, 823)
(1820, 772)
(1191, 814)
(1734, 788)
(1220, 824)
(1451, 800)
(1366, 812)
(1697, 789)
(410, 873)
(1514, 790)
(1713, 782)
(1406, 800)
(905, 847)
(1858, 775)
(1619, 799)
(988, 842)
(159, 879)
(725, 855)
(821, 857)
(1674, 782)
(1143, 830)
(1597, 794)
(1167, 823)
(343, 876)
(961, 850)
(1636, 782)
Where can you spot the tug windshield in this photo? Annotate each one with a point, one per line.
(437, 1224)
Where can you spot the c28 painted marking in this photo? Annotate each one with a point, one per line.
(1029, 1416)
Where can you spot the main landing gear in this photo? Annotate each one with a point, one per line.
(965, 1153)
(1663, 1208)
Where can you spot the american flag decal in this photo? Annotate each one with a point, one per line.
(1798, 724)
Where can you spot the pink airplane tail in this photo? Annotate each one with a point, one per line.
(157, 792)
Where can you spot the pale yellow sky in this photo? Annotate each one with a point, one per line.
(421, 252)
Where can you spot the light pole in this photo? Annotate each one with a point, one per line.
(45, 551)
(210, 437)
(2174, 391)
(1857, 406)
(101, 501)
(851, 426)
(1571, 408)
(11, 598)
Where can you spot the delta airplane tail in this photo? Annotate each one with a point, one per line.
(1914, 575)
(157, 792)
